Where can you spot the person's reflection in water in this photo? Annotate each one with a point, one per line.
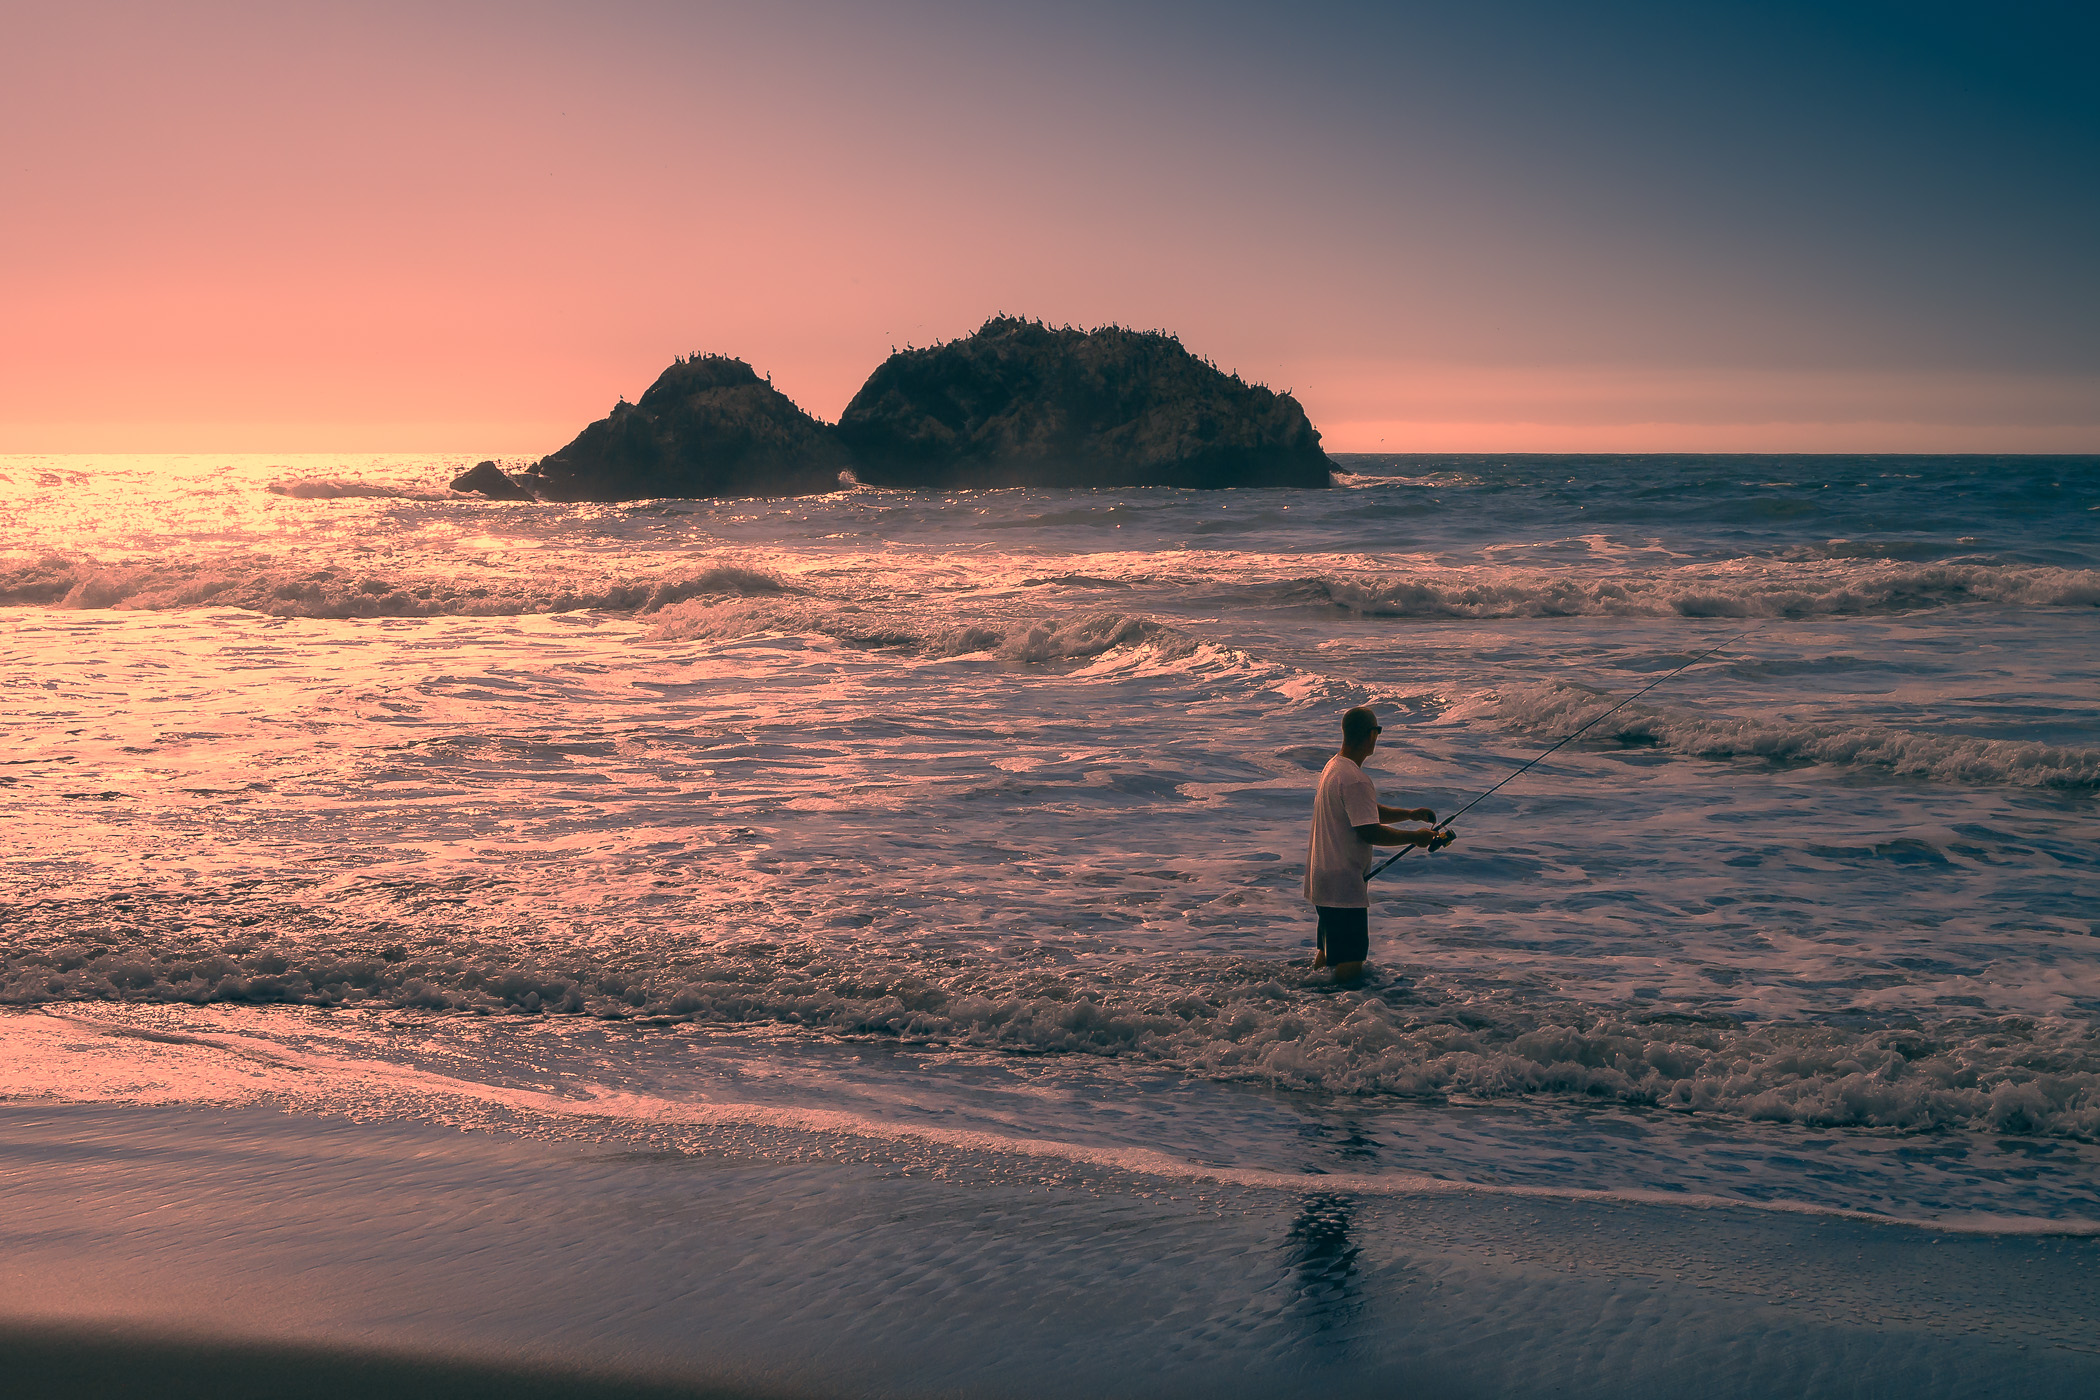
(1323, 1262)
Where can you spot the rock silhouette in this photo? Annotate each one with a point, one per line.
(490, 480)
(1020, 403)
(708, 426)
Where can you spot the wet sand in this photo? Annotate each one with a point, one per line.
(90, 1363)
(261, 1250)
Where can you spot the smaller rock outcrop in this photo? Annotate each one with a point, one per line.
(708, 426)
(488, 479)
(1021, 403)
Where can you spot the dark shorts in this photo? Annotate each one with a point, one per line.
(1344, 934)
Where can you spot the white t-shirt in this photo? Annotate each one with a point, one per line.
(1336, 857)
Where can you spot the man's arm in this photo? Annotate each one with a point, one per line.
(1424, 836)
(1364, 802)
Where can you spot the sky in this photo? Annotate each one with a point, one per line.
(467, 227)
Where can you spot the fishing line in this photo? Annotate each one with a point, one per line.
(1726, 641)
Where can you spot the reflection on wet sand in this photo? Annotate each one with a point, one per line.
(1323, 1263)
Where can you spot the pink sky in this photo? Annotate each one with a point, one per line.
(294, 228)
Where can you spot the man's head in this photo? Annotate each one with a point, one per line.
(1360, 732)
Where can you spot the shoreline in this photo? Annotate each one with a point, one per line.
(709, 1263)
(95, 1053)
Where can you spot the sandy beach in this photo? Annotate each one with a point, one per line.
(262, 1236)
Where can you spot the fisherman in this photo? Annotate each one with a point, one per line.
(1348, 820)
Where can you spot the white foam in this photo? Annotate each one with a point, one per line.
(45, 1060)
(1081, 638)
(1218, 1020)
(276, 588)
(328, 489)
(1947, 758)
(1743, 590)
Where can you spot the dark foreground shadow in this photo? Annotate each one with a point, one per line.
(81, 1363)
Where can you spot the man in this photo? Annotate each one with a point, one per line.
(1347, 822)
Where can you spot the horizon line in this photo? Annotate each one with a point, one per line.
(501, 458)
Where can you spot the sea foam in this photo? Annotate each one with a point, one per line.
(1779, 591)
(1080, 638)
(1948, 758)
(1217, 1018)
(270, 586)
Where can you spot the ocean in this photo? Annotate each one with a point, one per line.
(953, 841)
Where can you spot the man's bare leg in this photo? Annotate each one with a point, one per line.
(1347, 972)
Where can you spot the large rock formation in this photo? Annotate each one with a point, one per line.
(1016, 404)
(1022, 404)
(708, 426)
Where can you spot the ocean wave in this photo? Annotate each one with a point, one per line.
(264, 585)
(1074, 581)
(326, 489)
(1220, 1019)
(1438, 479)
(1778, 593)
(1083, 638)
(1947, 758)
(1906, 551)
(257, 1061)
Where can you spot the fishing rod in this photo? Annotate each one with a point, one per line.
(1725, 642)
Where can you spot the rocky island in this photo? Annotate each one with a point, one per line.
(1018, 403)
(1024, 404)
(708, 426)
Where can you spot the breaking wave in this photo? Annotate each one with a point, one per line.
(1948, 758)
(1083, 638)
(1218, 1019)
(323, 489)
(1780, 593)
(264, 585)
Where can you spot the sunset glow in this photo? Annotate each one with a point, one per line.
(470, 228)
(1115, 700)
